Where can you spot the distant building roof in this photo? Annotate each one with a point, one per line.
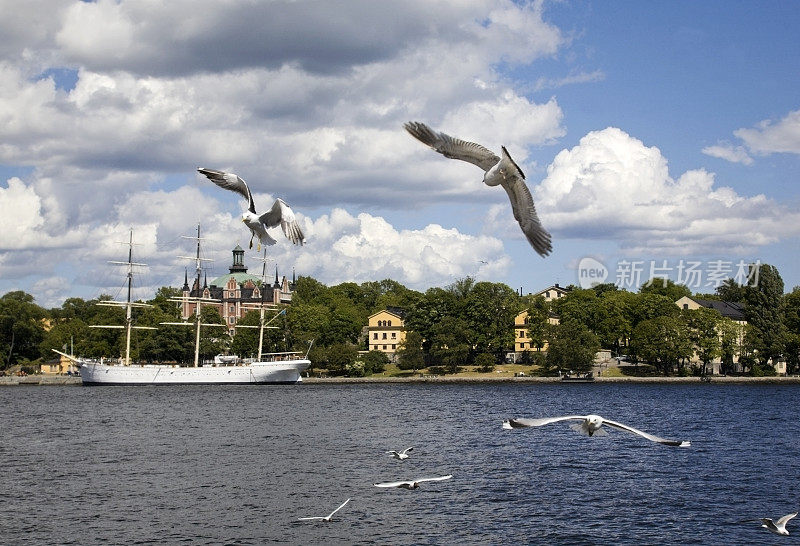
(729, 309)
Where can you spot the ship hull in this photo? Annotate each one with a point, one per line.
(282, 372)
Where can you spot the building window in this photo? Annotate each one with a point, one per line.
(384, 347)
(389, 323)
(375, 335)
(394, 347)
(231, 309)
(231, 320)
(394, 335)
(686, 306)
(384, 335)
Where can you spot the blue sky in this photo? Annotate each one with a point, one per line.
(658, 136)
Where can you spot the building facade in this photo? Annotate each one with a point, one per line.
(522, 341)
(386, 330)
(237, 292)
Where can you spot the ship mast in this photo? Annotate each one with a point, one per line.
(128, 304)
(262, 307)
(198, 300)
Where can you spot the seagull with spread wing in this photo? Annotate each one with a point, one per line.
(280, 213)
(400, 454)
(590, 425)
(502, 171)
(324, 518)
(777, 527)
(412, 484)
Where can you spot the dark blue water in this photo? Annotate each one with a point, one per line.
(239, 465)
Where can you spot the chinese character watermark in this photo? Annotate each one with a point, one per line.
(694, 274)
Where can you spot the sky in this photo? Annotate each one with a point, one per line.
(659, 139)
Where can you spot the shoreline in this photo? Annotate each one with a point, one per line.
(56, 380)
(554, 380)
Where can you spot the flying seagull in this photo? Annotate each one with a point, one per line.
(324, 518)
(777, 527)
(499, 171)
(412, 484)
(590, 424)
(280, 213)
(402, 454)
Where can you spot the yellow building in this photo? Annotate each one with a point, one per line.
(61, 365)
(386, 330)
(522, 342)
(552, 293)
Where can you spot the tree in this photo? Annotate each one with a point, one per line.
(791, 318)
(665, 287)
(489, 308)
(409, 352)
(662, 341)
(374, 362)
(22, 328)
(572, 347)
(450, 346)
(764, 311)
(538, 321)
(485, 362)
(731, 335)
(703, 325)
(340, 356)
(432, 307)
(612, 319)
(648, 306)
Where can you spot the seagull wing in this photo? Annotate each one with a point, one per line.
(784, 519)
(522, 422)
(406, 450)
(438, 479)
(230, 181)
(393, 484)
(282, 214)
(310, 518)
(452, 147)
(340, 507)
(525, 214)
(652, 438)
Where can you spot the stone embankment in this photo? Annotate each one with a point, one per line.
(40, 380)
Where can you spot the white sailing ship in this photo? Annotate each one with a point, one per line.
(285, 367)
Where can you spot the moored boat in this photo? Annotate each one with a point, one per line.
(278, 368)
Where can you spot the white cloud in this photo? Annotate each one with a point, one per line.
(768, 137)
(734, 154)
(612, 186)
(365, 247)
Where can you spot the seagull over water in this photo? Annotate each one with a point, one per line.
(777, 527)
(324, 518)
(412, 484)
(590, 425)
(280, 213)
(402, 454)
(502, 171)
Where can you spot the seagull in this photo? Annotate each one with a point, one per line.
(412, 484)
(501, 171)
(324, 518)
(777, 527)
(590, 424)
(280, 213)
(401, 455)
